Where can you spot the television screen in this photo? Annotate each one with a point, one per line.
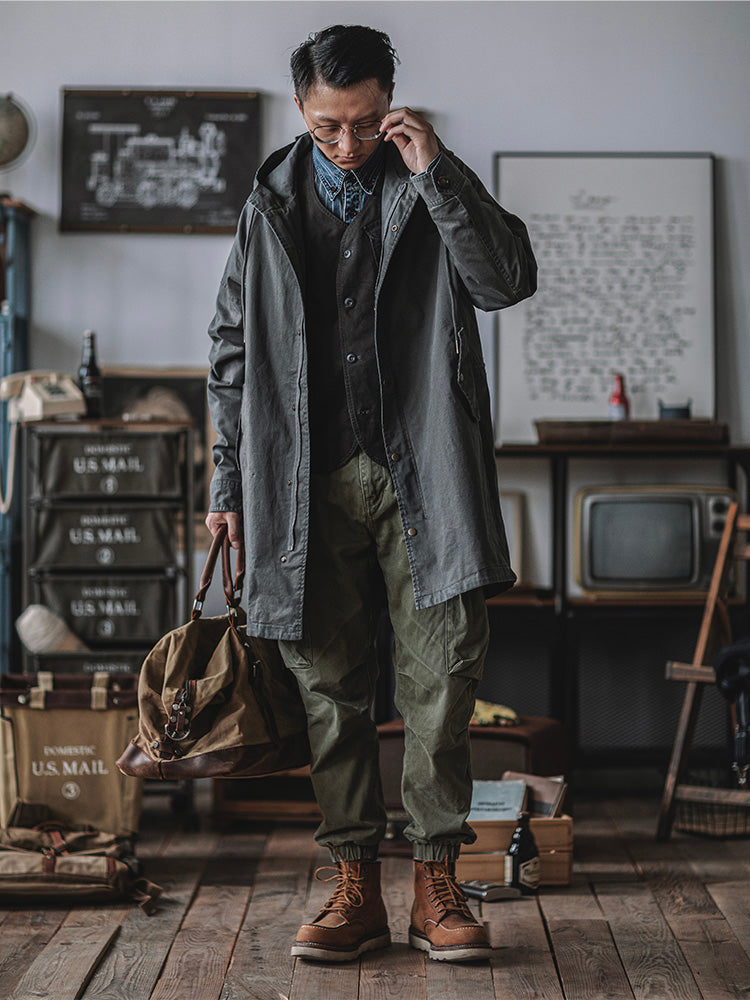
(642, 540)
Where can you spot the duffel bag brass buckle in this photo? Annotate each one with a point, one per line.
(179, 720)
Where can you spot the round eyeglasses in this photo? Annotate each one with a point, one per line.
(364, 131)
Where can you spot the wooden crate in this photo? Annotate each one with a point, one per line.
(485, 858)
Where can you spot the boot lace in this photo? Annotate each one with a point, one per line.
(444, 892)
(348, 893)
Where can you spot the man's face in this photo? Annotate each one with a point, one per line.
(361, 104)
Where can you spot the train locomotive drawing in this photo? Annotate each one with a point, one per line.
(153, 170)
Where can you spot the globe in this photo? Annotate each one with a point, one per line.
(15, 130)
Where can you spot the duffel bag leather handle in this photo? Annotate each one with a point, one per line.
(220, 542)
(232, 592)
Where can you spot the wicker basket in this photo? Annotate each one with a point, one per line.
(713, 819)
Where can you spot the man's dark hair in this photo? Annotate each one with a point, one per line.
(341, 56)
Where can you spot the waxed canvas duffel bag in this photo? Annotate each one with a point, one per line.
(213, 701)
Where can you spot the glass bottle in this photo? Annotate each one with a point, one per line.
(522, 869)
(90, 376)
(619, 404)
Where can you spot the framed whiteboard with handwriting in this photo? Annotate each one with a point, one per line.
(625, 247)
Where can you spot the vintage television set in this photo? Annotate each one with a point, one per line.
(659, 541)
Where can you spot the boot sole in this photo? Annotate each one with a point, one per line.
(445, 953)
(322, 953)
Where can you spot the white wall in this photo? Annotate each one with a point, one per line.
(531, 76)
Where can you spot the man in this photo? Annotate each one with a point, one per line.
(355, 458)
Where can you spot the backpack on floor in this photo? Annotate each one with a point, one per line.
(54, 863)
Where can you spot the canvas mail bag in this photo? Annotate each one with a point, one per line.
(213, 701)
(60, 736)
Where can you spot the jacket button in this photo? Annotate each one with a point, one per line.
(351, 358)
(394, 229)
(349, 303)
(347, 254)
(283, 558)
(395, 457)
(412, 532)
(444, 182)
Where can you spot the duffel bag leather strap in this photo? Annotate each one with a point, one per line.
(232, 592)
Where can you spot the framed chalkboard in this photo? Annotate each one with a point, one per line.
(625, 246)
(178, 161)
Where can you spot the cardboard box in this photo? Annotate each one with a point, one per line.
(485, 859)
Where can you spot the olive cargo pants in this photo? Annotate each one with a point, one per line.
(356, 549)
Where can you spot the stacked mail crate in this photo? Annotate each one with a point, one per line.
(105, 504)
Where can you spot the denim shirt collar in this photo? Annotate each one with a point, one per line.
(334, 177)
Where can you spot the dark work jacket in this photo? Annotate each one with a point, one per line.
(447, 247)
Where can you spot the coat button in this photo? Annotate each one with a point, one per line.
(351, 358)
(394, 229)
(412, 532)
(444, 182)
(283, 558)
(395, 457)
(347, 254)
(349, 303)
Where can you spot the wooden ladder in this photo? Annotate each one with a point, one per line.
(715, 631)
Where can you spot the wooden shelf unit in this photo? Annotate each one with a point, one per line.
(571, 614)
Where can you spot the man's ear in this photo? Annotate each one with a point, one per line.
(298, 102)
(390, 96)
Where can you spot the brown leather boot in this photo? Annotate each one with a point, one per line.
(352, 921)
(441, 922)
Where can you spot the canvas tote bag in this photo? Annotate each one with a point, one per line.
(213, 701)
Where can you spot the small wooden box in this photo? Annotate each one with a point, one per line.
(485, 858)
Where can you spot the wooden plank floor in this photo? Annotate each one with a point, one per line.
(641, 921)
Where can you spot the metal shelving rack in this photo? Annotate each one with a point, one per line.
(108, 535)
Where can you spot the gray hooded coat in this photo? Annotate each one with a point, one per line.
(447, 247)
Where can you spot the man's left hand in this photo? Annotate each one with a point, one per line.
(413, 136)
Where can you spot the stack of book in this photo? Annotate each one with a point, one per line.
(494, 814)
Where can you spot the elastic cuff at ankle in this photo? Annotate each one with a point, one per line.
(426, 851)
(352, 852)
